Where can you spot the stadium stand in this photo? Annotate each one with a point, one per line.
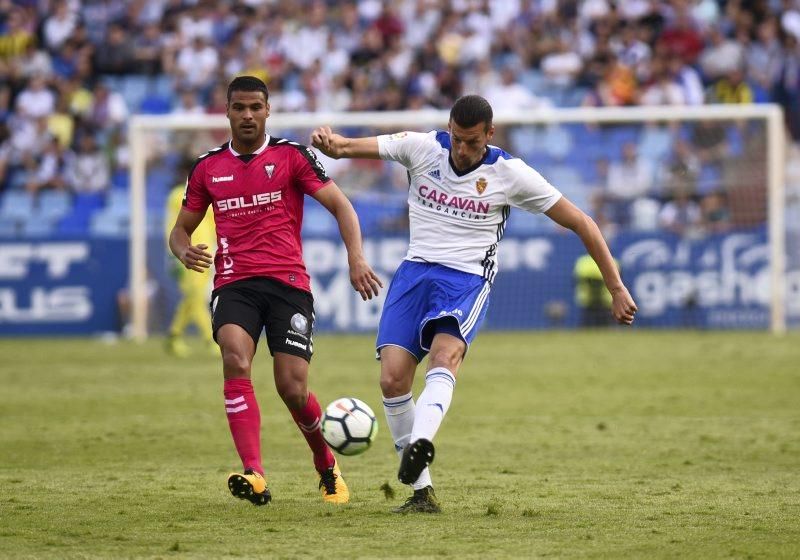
(73, 71)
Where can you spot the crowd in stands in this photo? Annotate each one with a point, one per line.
(72, 71)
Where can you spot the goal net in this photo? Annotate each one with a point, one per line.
(692, 201)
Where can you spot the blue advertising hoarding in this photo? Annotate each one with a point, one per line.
(61, 286)
(721, 282)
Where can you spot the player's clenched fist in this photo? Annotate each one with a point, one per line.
(326, 141)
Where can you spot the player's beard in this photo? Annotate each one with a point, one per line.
(249, 135)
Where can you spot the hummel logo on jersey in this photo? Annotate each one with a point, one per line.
(223, 179)
(270, 169)
(435, 174)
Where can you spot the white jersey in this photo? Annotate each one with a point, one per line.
(457, 219)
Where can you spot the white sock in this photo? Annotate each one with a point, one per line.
(400, 419)
(433, 403)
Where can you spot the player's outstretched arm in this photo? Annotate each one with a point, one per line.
(193, 257)
(337, 146)
(571, 217)
(362, 277)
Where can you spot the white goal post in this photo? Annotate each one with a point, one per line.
(142, 125)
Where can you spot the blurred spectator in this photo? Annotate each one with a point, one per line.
(61, 123)
(716, 215)
(680, 170)
(196, 64)
(662, 88)
(731, 88)
(77, 96)
(709, 141)
(764, 56)
(628, 180)
(36, 100)
(49, 170)
(67, 60)
(388, 23)
(116, 55)
(18, 32)
(107, 109)
(188, 103)
(631, 177)
(32, 62)
(309, 41)
(681, 214)
(196, 21)
(29, 139)
(616, 85)
(88, 171)
(59, 25)
(562, 66)
(688, 79)
(682, 36)
(510, 95)
(147, 49)
(721, 56)
(632, 52)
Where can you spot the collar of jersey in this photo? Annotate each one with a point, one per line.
(258, 151)
(468, 169)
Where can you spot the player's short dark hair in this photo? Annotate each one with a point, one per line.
(470, 110)
(247, 83)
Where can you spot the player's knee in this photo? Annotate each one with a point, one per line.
(235, 364)
(294, 396)
(446, 357)
(394, 384)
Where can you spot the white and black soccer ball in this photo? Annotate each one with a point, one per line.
(349, 426)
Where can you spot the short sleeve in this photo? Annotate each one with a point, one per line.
(310, 175)
(195, 196)
(529, 190)
(407, 148)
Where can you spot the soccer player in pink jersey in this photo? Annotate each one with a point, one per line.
(256, 185)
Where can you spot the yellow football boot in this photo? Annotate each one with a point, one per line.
(249, 486)
(332, 486)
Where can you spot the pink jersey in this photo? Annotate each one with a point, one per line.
(258, 208)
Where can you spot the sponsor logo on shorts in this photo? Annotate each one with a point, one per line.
(297, 334)
(299, 323)
(291, 342)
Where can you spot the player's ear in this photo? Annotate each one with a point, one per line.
(228, 110)
(490, 132)
(267, 108)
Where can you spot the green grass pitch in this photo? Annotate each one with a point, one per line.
(618, 444)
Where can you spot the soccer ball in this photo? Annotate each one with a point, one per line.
(349, 426)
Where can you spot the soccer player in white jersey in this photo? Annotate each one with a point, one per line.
(460, 195)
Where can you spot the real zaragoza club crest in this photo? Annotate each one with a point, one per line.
(481, 184)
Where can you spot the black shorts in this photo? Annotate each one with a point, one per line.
(256, 304)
